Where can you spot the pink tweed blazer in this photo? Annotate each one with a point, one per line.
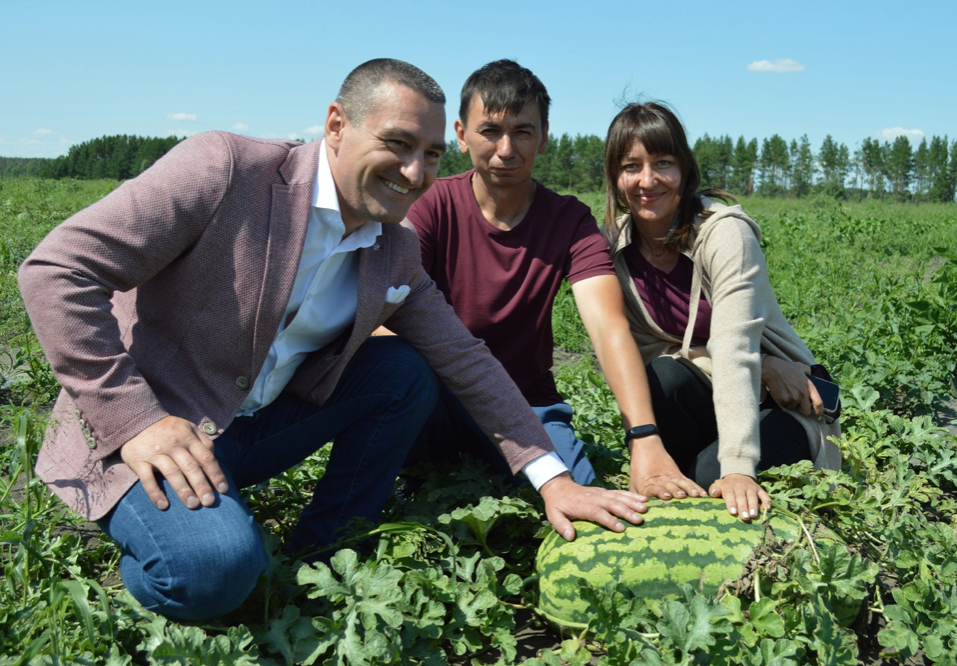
(164, 297)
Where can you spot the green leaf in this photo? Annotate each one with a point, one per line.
(82, 606)
(764, 617)
(688, 626)
(899, 639)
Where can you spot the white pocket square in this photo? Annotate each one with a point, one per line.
(397, 294)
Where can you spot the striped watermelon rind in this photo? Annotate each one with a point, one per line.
(690, 541)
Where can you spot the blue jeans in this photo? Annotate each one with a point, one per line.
(450, 431)
(198, 564)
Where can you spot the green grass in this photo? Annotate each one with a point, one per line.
(29, 209)
(871, 287)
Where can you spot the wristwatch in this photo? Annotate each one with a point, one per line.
(641, 431)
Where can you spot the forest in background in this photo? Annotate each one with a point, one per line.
(118, 157)
(772, 168)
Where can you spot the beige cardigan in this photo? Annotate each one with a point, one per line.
(746, 322)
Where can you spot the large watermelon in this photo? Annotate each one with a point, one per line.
(692, 540)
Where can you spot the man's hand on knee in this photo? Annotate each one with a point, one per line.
(183, 454)
(566, 501)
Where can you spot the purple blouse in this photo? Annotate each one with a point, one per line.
(667, 296)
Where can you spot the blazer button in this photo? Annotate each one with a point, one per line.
(87, 432)
(77, 413)
(209, 428)
(91, 442)
(242, 382)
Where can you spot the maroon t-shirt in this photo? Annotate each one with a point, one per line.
(667, 296)
(502, 283)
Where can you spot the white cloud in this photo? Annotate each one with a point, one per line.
(914, 135)
(240, 127)
(779, 66)
(44, 131)
(315, 129)
(178, 117)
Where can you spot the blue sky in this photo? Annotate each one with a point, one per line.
(72, 71)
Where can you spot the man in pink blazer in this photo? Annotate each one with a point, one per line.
(227, 294)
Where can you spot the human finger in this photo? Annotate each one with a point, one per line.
(817, 404)
(735, 499)
(205, 454)
(749, 496)
(609, 508)
(190, 479)
(191, 453)
(151, 487)
(601, 516)
(674, 488)
(626, 506)
(654, 490)
(690, 487)
(172, 471)
(561, 524)
(751, 503)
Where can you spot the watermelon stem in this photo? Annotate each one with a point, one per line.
(810, 542)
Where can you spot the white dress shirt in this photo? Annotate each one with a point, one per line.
(324, 296)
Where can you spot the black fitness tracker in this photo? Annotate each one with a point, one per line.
(641, 431)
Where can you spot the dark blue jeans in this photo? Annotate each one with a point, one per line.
(450, 431)
(198, 564)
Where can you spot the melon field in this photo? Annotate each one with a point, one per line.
(449, 575)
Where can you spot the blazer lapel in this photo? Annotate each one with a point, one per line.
(288, 222)
(375, 266)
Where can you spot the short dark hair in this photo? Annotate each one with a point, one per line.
(657, 128)
(504, 86)
(358, 92)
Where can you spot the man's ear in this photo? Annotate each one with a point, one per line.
(460, 136)
(335, 122)
(544, 143)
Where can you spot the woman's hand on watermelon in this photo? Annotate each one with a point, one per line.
(742, 495)
(566, 501)
(655, 474)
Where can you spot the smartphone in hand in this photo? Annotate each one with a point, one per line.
(830, 395)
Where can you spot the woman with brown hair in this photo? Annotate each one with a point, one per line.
(729, 376)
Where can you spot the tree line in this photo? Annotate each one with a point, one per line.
(119, 157)
(773, 168)
(875, 169)
(22, 167)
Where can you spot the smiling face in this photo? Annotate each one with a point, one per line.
(382, 164)
(650, 185)
(503, 145)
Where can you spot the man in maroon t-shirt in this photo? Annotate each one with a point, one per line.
(498, 245)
